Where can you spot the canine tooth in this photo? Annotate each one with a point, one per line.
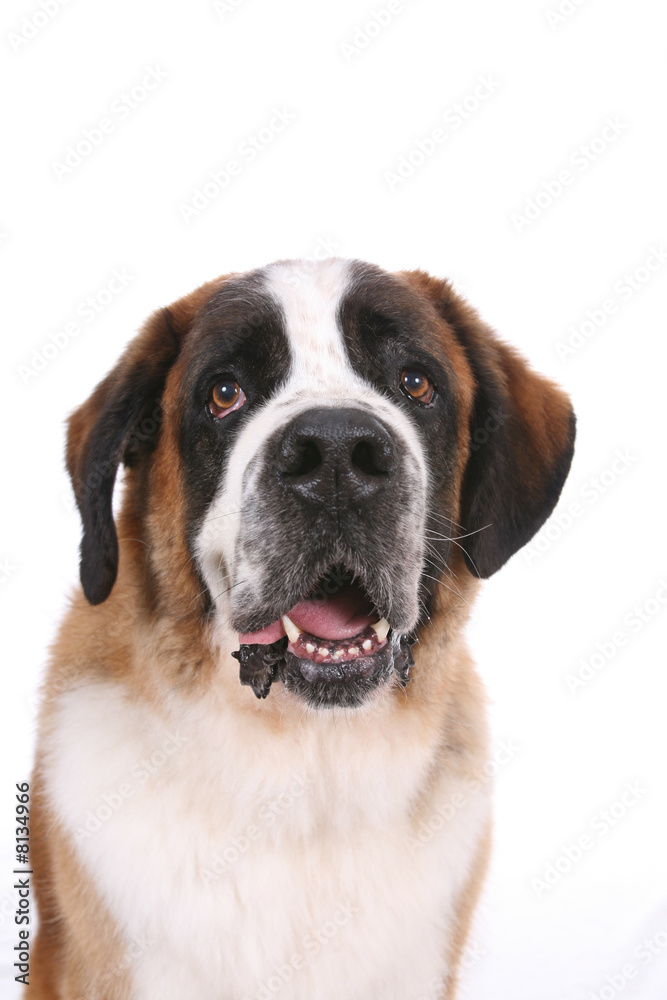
(353, 651)
(310, 648)
(323, 651)
(367, 644)
(381, 628)
(293, 632)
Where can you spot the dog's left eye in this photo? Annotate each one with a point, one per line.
(226, 396)
(417, 385)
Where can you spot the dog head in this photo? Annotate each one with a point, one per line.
(323, 452)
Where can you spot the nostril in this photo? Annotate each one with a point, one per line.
(330, 454)
(302, 458)
(369, 459)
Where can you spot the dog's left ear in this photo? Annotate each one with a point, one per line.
(521, 442)
(100, 436)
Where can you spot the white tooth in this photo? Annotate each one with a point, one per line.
(323, 651)
(339, 653)
(293, 632)
(310, 648)
(367, 644)
(381, 628)
(353, 651)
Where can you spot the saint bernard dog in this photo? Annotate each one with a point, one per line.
(261, 757)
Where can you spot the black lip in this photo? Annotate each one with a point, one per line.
(324, 685)
(331, 685)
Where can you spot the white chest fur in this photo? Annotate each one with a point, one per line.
(243, 862)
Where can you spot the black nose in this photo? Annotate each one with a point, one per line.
(333, 455)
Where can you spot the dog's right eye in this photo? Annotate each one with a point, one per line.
(226, 396)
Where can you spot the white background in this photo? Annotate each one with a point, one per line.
(323, 181)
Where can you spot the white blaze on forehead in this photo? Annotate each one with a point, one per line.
(320, 374)
(310, 309)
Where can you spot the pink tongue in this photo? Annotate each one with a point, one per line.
(338, 616)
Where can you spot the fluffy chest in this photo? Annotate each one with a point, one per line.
(243, 865)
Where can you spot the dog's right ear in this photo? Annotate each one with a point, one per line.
(100, 437)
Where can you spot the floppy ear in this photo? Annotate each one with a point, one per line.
(100, 435)
(521, 444)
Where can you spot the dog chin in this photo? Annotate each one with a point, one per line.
(344, 685)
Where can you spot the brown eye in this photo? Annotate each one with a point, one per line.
(225, 397)
(417, 385)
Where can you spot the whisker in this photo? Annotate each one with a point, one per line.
(227, 513)
(184, 567)
(467, 554)
(452, 579)
(439, 516)
(140, 540)
(453, 538)
(443, 584)
(227, 591)
(201, 593)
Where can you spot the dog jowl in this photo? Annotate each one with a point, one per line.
(344, 446)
